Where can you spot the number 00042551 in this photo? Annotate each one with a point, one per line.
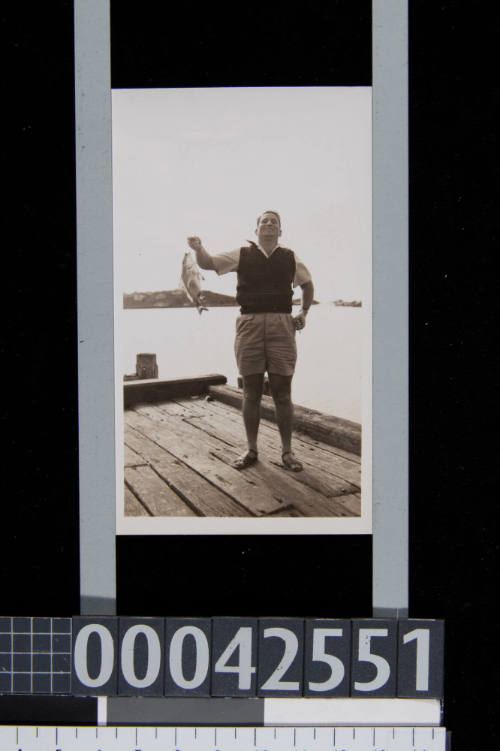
(233, 657)
(260, 657)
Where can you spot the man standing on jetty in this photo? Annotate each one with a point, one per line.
(265, 330)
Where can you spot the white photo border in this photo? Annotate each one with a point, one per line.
(195, 525)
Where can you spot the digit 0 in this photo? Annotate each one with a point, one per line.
(153, 664)
(202, 657)
(107, 656)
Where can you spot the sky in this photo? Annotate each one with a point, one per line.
(207, 162)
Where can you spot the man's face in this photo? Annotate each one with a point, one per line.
(268, 227)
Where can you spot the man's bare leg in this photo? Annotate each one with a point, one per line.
(252, 394)
(281, 390)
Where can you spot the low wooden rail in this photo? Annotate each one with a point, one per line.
(335, 431)
(152, 391)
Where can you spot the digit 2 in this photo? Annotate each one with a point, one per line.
(281, 649)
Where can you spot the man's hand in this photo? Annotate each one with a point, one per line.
(203, 258)
(194, 243)
(299, 321)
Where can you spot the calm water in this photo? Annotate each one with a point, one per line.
(329, 365)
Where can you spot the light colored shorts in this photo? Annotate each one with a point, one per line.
(265, 342)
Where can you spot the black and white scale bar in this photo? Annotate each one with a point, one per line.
(268, 712)
(31, 738)
(160, 711)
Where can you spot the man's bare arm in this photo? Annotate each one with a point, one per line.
(307, 299)
(307, 296)
(203, 257)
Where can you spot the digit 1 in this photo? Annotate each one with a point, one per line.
(422, 637)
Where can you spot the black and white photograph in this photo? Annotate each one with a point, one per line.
(242, 272)
(60, 553)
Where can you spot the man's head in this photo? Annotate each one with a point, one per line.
(268, 226)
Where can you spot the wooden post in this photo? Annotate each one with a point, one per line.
(146, 366)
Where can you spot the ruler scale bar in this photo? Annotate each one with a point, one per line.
(355, 738)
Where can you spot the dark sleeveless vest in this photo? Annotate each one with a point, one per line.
(265, 284)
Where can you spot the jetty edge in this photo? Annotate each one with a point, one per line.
(153, 390)
(334, 431)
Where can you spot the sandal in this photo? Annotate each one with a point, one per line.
(246, 459)
(291, 463)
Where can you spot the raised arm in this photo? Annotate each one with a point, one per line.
(203, 257)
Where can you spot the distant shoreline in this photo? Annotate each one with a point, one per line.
(348, 304)
(177, 298)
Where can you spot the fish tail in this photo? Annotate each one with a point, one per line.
(201, 309)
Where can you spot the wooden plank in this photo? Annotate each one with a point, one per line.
(131, 458)
(260, 479)
(290, 511)
(183, 408)
(309, 491)
(352, 503)
(287, 488)
(206, 498)
(154, 493)
(330, 483)
(313, 456)
(326, 428)
(326, 447)
(203, 404)
(334, 461)
(152, 391)
(133, 507)
(294, 488)
(180, 439)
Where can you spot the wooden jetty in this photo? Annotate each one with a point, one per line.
(181, 437)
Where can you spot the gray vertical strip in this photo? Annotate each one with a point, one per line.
(190, 711)
(390, 307)
(95, 306)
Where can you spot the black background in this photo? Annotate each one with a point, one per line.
(453, 235)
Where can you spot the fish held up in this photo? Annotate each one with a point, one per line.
(191, 279)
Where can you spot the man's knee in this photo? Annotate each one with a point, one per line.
(281, 389)
(282, 397)
(252, 388)
(252, 395)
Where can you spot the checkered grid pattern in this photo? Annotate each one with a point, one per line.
(35, 655)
